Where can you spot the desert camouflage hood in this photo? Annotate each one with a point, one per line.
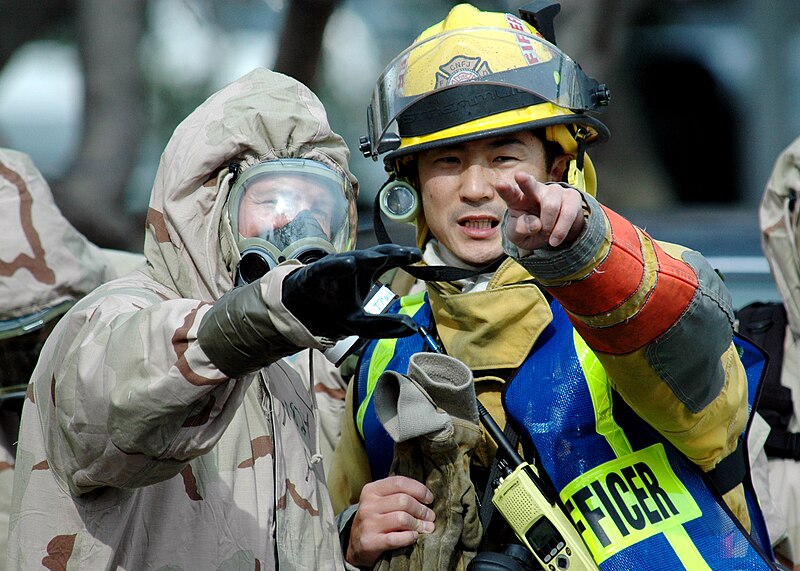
(264, 115)
(44, 260)
(779, 218)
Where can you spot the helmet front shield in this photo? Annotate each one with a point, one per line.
(456, 77)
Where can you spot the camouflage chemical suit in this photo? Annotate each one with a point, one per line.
(45, 266)
(780, 239)
(136, 451)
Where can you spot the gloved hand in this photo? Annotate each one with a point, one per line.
(328, 295)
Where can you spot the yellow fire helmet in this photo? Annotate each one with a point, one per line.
(480, 74)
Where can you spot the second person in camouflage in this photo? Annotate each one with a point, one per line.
(163, 428)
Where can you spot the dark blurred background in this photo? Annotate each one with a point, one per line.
(704, 98)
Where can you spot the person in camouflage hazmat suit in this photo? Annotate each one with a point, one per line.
(780, 239)
(163, 429)
(45, 266)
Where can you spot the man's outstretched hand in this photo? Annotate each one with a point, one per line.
(541, 215)
(328, 296)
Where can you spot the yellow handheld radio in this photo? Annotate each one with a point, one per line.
(532, 511)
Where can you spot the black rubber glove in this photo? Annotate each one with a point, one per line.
(328, 295)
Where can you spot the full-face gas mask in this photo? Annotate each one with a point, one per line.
(289, 209)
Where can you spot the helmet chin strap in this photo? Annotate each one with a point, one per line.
(575, 174)
(426, 273)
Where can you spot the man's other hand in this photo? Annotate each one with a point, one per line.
(392, 513)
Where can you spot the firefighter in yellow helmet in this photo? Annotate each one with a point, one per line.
(476, 75)
(610, 354)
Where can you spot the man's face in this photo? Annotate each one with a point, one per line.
(271, 203)
(458, 182)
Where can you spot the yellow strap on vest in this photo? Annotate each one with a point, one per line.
(383, 353)
(638, 491)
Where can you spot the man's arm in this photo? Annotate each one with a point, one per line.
(128, 396)
(657, 315)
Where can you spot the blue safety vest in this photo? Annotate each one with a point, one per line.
(637, 501)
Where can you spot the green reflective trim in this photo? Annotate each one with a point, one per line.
(685, 549)
(600, 391)
(632, 498)
(381, 356)
(383, 353)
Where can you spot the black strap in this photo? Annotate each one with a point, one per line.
(783, 444)
(450, 273)
(731, 471)
(377, 221)
(487, 510)
(765, 325)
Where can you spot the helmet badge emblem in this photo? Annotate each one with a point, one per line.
(460, 69)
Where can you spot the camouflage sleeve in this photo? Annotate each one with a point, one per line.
(660, 321)
(130, 396)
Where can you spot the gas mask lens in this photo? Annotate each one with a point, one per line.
(289, 209)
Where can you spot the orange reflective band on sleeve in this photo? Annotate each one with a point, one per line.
(634, 295)
(664, 307)
(617, 278)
